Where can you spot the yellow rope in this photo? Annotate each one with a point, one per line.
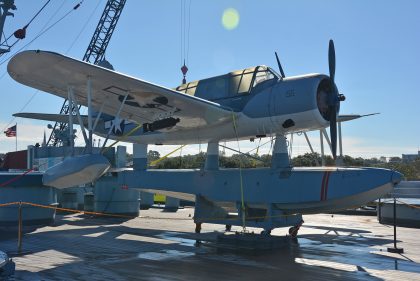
(153, 163)
(258, 149)
(240, 174)
(122, 137)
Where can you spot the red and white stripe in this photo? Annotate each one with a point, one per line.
(324, 185)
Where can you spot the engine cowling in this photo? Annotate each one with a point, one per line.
(294, 104)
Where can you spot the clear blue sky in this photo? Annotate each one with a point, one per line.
(377, 47)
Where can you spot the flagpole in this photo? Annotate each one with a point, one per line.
(16, 138)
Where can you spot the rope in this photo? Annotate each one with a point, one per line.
(123, 137)
(9, 204)
(153, 163)
(16, 178)
(140, 217)
(410, 205)
(240, 174)
(245, 154)
(257, 148)
(75, 211)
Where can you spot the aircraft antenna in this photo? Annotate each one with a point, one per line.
(95, 53)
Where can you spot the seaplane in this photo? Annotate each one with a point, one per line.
(250, 103)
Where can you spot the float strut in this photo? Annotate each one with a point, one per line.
(197, 227)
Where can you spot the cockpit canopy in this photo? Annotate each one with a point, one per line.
(241, 82)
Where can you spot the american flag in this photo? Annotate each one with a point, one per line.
(11, 132)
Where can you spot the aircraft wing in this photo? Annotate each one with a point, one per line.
(145, 102)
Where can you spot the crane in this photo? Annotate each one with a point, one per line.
(5, 6)
(95, 53)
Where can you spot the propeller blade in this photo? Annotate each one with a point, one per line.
(331, 59)
(333, 132)
(279, 64)
(334, 99)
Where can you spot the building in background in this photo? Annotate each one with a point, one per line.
(410, 157)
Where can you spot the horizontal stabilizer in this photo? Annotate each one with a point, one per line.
(349, 117)
(61, 118)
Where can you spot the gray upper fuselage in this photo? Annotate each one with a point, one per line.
(258, 92)
(262, 97)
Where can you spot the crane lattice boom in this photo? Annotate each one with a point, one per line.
(94, 54)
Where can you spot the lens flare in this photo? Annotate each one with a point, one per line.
(230, 18)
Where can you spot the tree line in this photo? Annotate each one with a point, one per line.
(411, 170)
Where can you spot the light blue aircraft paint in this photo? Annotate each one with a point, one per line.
(249, 103)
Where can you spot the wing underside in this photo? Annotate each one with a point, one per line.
(144, 102)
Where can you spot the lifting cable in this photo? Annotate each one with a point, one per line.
(185, 37)
(84, 27)
(41, 33)
(37, 91)
(21, 33)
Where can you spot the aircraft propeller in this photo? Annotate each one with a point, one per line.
(334, 99)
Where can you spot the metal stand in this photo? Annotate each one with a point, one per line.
(20, 229)
(395, 249)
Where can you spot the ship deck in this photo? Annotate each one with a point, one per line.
(162, 246)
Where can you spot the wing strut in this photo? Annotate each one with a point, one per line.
(75, 104)
(117, 117)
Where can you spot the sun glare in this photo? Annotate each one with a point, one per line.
(230, 18)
